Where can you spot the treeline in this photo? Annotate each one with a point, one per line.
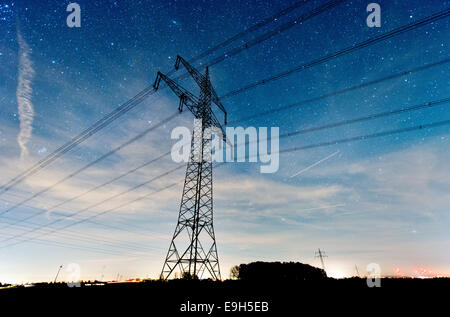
(277, 271)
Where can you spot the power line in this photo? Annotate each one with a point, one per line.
(384, 133)
(74, 233)
(347, 50)
(83, 238)
(235, 51)
(373, 135)
(88, 133)
(335, 142)
(96, 205)
(345, 90)
(332, 125)
(16, 221)
(100, 124)
(91, 217)
(368, 136)
(69, 245)
(265, 36)
(284, 27)
(140, 96)
(369, 117)
(251, 29)
(140, 135)
(121, 110)
(417, 107)
(425, 105)
(44, 210)
(109, 210)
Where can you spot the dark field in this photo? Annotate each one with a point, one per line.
(399, 296)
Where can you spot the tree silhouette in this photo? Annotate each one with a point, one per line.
(276, 271)
(234, 272)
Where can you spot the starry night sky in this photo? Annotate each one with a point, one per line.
(383, 200)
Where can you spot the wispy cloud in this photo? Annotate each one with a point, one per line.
(23, 94)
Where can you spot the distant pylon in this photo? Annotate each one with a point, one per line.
(193, 247)
(320, 254)
(57, 273)
(357, 271)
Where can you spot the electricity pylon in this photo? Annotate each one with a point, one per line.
(56, 277)
(193, 247)
(320, 254)
(357, 271)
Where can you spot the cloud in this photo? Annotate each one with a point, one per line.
(410, 182)
(23, 94)
(255, 199)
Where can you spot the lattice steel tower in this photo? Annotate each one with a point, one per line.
(193, 247)
(320, 254)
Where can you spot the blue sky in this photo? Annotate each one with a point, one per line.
(383, 200)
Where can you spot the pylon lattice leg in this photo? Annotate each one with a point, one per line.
(193, 248)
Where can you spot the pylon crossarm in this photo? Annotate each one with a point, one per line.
(200, 79)
(188, 99)
(196, 75)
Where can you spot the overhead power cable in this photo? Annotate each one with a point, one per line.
(45, 210)
(303, 131)
(139, 136)
(282, 28)
(365, 118)
(316, 145)
(352, 48)
(94, 205)
(69, 245)
(421, 106)
(91, 238)
(88, 218)
(19, 222)
(358, 46)
(122, 109)
(100, 124)
(345, 90)
(369, 136)
(251, 29)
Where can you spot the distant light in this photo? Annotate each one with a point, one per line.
(42, 150)
(335, 273)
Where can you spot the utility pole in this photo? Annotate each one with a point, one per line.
(320, 254)
(357, 271)
(103, 270)
(193, 247)
(56, 277)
